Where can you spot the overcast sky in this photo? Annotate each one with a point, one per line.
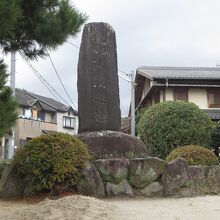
(149, 32)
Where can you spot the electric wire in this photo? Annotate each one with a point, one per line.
(121, 71)
(127, 74)
(61, 80)
(47, 85)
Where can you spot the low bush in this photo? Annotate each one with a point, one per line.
(167, 125)
(216, 138)
(3, 164)
(194, 155)
(51, 162)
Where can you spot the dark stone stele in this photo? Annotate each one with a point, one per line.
(98, 90)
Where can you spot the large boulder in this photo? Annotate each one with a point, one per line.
(144, 171)
(177, 179)
(155, 189)
(113, 170)
(123, 188)
(91, 183)
(111, 144)
(206, 178)
(10, 184)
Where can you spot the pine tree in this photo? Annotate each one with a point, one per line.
(7, 103)
(31, 27)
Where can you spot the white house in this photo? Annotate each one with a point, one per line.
(39, 115)
(200, 85)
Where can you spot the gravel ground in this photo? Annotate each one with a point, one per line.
(86, 208)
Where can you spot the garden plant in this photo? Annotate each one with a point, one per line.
(51, 162)
(194, 155)
(167, 125)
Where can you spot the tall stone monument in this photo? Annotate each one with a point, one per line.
(98, 90)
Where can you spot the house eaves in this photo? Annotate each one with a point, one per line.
(196, 73)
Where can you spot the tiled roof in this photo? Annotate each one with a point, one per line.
(26, 98)
(214, 114)
(161, 72)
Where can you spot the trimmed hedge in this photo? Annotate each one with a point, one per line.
(216, 137)
(169, 124)
(3, 164)
(194, 155)
(51, 162)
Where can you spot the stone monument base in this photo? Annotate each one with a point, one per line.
(113, 144)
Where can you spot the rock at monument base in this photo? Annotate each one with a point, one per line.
(177, 180)
(123, 188)
(111, 144)
(113, 170)
(91, 184)
(11, 185)
(144, 171)
(155, 189)
(206, 178)
(98, 89)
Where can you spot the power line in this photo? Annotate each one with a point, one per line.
(61, 80)
(73, 44)
(127, 74)
(47, 85)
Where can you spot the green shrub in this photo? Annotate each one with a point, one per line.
(3, 164)
(194, 155)
(167, 125)
(216, 136)
(50, 162)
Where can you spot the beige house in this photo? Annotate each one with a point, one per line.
(192, 84)
(40, 115)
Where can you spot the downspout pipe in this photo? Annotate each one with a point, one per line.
(167, 82)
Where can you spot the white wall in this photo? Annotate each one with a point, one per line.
(169, 94)
(146, 87)
(199, 97)
(60, 127)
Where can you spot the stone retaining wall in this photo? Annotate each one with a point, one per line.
(149, 177)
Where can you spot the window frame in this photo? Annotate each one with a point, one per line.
(214, 92)
(72, 122)
(181, 90)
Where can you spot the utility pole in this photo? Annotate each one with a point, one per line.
(12, 85)
(133, 103)
(131, 80)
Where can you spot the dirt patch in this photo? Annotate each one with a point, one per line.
(67, 208)
(85, 208)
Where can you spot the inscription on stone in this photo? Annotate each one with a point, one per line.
(98, 91)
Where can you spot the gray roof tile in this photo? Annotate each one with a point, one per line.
(26, 98)
(214, 114)
(161, 72)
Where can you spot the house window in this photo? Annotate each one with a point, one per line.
(27, 113)
(41, 115)
(180, 94)
(69, 122)
(214, 98)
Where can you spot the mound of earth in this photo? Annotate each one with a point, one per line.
(68, 208)
(112, 144)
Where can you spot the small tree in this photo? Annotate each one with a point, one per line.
(7, 103)
(31, 27)
(170, 124)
